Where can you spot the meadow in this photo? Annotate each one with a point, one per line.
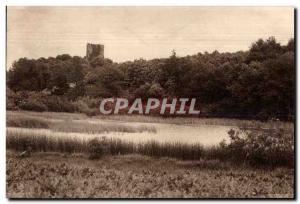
(52, 175)
(67, 156)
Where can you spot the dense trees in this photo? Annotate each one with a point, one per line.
(255, 83)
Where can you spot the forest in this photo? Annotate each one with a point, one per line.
(255, 84)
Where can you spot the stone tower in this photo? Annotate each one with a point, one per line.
(94, 50)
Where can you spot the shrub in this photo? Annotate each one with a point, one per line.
(58, 104)
(142, 91)
(156, 90)
(11, 99)
(272, 147)
(81, 106)
(91, 102)
(97, 148)
(32, 105)
(87, 105)
(38, 101)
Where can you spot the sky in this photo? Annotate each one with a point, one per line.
(129, 33)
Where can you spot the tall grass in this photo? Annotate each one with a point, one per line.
(154, 119)
(197, 121)
(42, 142)
(46, 115)
(76, 126)
(26, 122)
(273, 148)
(92, 128)
(255, 143)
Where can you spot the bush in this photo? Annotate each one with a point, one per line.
(262, 147)
(90, 102)
(142, 91)
(33, 106)
(11, 99)
(156, 91)
(87, 105)
(97, 148)
(58, 104)
(38, 101)
(81, 106)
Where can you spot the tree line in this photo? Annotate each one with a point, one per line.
(257, 83)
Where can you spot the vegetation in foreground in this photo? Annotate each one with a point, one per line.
(257, 163)
(47, 175)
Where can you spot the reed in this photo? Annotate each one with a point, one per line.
(42, 141)
(97, 128)
(256, 148)
(71, 125)
(26, 121)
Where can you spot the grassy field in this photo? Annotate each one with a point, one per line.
(67, 158)
(49, 175)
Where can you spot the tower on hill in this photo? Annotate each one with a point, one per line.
(94, 50)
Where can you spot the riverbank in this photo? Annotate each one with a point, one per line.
(151, 119)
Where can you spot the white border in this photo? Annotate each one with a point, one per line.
(155, 2)
(3, 3)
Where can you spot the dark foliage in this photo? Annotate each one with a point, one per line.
(258, 83)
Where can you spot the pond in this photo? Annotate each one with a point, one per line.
(206, 135)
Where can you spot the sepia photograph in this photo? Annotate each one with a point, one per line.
(150, 102)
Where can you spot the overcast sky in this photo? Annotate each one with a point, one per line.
(130, 33)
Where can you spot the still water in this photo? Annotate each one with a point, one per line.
(206, 135)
